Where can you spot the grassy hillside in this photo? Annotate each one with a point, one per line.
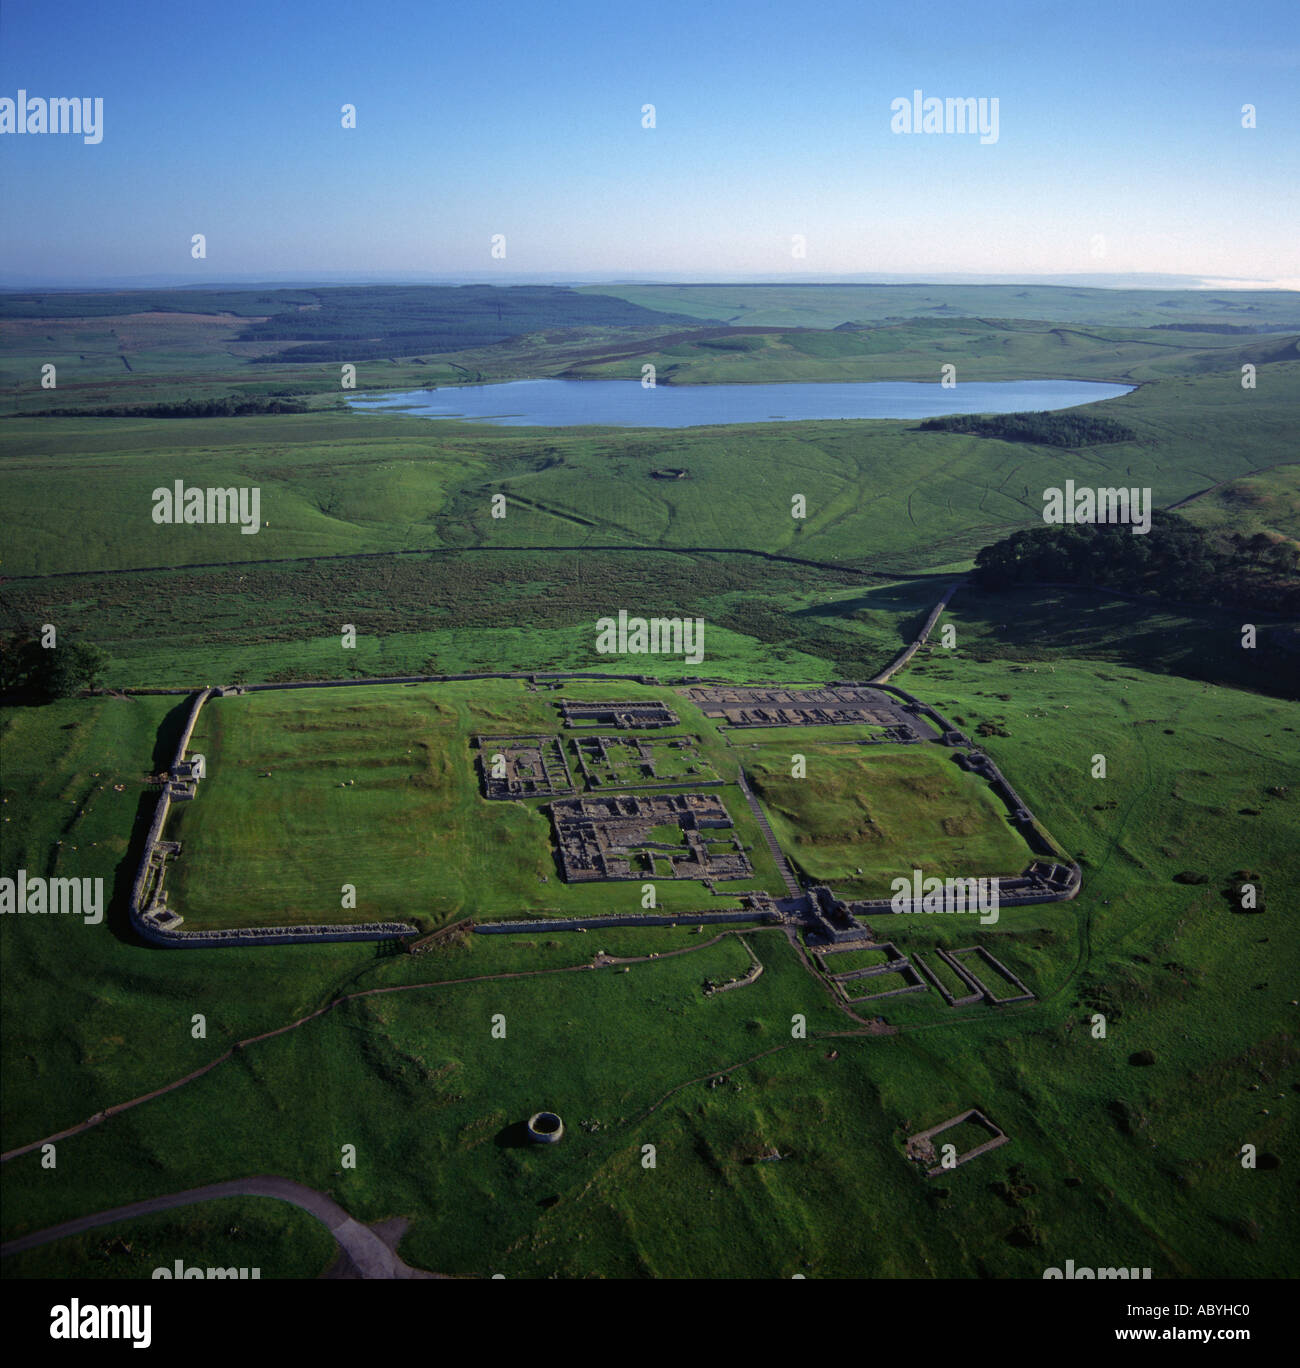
(880, 495)
(1267, 502)
(470, 611)
(979, 349)
(127, 335)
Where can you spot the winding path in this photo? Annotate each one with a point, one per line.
(370, 1256)
(100, 1117)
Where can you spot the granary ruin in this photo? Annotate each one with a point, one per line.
(584, 712)
(836, 706)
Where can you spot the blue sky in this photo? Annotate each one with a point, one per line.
(1120, 146)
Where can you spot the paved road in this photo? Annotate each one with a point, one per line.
(371, 1257)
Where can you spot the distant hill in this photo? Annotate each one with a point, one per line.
(359, 323)
(366, 322)
(804, 305)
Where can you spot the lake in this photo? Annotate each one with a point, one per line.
(624, 403)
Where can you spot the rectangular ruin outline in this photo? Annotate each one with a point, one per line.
(893, 958)
(1000, 1137)
(903, 967)
(740, 707)
(656, 712)
(961, 971)
(584, 848)
(543, 739)
(1025, 995)
(577, 742)
(948, 998)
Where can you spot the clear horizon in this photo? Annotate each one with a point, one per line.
(326, 280)
(1116, 146)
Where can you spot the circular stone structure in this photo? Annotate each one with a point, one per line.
(545, 1128)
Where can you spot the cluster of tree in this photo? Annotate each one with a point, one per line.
(1063, 429)
(1175, 560)
(36, 672)
(229, 407)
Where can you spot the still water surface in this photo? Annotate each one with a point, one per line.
(624, 403)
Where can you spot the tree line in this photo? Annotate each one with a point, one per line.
(1065, 429)
(230, 407)
(1175, 560)
(34, 672)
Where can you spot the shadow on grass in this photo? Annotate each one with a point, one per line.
(513, 1136)
(911, 597)
(118, 914)
(169, 734)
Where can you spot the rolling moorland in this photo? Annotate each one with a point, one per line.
(1124, 1149)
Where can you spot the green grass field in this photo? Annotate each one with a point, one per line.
(1074, 1106)
(276, 1239)
(1111, 1161)
(864, 817)
(828, 306)
(394, 766)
